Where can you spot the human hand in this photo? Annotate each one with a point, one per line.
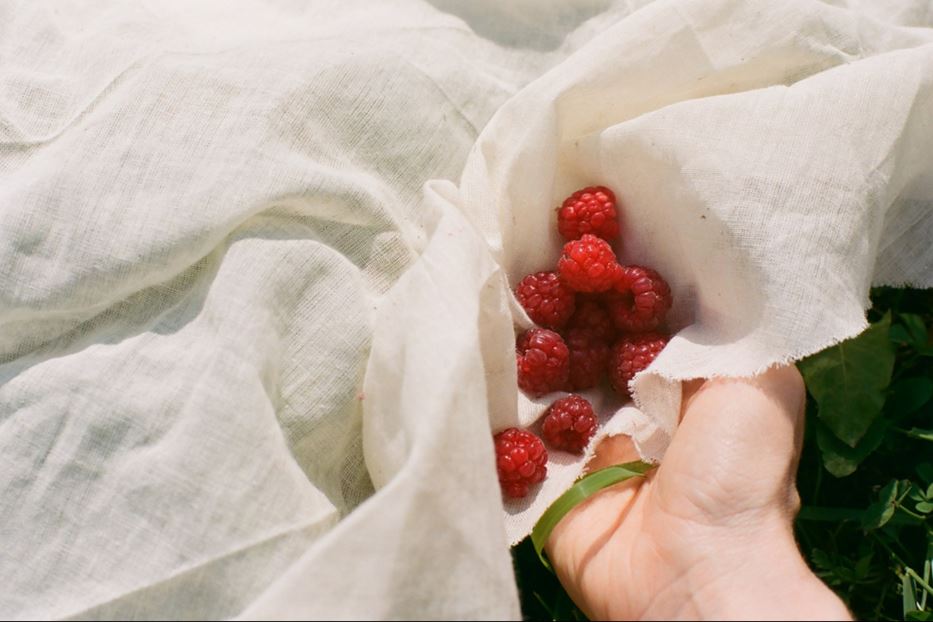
(709, 534)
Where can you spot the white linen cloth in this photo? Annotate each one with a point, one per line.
(250, 363)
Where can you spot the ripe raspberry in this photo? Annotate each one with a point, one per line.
(630, 355)
(640, 300)
(543, 361)
(589, 265)
(591, 315)
(569, 424)
(588, 358)
(521, 461)
(547, 300)
(590, 210)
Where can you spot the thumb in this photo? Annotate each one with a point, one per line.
(738, 444)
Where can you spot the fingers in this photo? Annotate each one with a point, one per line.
(783, 385)
(736, 449)
(612, 450)
(580, 537)
(744, 436)
(747, 419)
(763, 405)
(688, 389)
(604, 508)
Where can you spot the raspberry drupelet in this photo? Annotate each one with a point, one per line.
(632, 354)
(589, 355)
(591, 315)
(569, 424)
(590, 210)
(546, 299)
(639, 300)
(543, 361)
(589, 265)
(521, 461)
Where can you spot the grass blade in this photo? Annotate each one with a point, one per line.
(584, 488)
(910, 599)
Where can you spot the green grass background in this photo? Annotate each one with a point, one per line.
(865, 476)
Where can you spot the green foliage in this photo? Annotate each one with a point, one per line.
(848, 381)
(865, 476)
(866, 527)
(542, 596)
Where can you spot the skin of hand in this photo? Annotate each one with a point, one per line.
(709, 533)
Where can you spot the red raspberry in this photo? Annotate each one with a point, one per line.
(569, 424)
(590, 210)
(521, 461)
(588, 358)
(630, 355)
(589, 265)
(591, 315)
(640, 300)
(547, 300)
(543, 361)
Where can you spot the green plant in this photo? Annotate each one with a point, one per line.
(865, 476)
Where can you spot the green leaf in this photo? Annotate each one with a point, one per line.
(848, 381)
(863, 566)
(842, 460)
(881, 511)
(899, 335)
(908, 396)
(578, 493)
(821, 559)
(919, 616)
(915, 328)
(925, 471)
(923, 435)
(924, 507)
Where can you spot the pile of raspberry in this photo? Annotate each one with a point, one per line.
(596, 318)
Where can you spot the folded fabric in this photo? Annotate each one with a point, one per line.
(250, 362)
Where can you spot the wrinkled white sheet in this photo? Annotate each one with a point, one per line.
(249, 363)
